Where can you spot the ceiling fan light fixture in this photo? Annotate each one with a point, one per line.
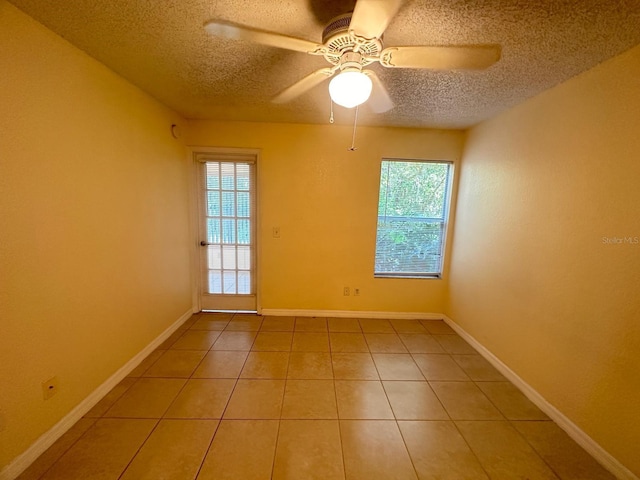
(350, 88)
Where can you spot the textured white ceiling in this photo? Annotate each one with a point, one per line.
(161, 47)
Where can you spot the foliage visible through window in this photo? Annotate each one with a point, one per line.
(412, 218)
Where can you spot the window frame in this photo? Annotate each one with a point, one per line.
(444, 221)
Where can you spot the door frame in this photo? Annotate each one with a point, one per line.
(194, 218)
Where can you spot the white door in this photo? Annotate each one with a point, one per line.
(227, 231)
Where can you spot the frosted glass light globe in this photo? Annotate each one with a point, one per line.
(350, 89)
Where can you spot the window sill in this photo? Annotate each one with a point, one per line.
(419, 277)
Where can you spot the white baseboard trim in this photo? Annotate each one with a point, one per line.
(286, 312)
(37, 448)
(607, 460)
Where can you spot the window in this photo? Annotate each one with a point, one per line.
(227, 221)
(412, 218)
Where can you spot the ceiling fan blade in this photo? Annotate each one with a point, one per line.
(456, 57)
(304, 85)
(371, 17)
(234, 31)
(379, 101)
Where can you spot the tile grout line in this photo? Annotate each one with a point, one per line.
(453, 422)
(65, 451)
(162, 417)
(158, 420)
(284, 392)
(510, 422)
(473, 452)
(450, 354)
(140, 447)
(395, 418)
(204, 457)
(335, 396)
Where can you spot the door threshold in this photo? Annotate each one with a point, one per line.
(229, 311)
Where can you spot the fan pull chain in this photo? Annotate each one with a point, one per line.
(331, 109)
(353, 139)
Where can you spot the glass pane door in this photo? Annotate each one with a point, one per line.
(228, 233)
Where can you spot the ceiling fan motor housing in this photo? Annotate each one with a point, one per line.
(338, 41)
(351, 61)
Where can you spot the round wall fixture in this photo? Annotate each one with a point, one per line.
(175, 131)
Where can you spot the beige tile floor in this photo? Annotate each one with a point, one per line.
(249, 397)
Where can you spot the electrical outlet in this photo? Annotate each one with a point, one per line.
(50, 388)
(346, 292)
(356, 292)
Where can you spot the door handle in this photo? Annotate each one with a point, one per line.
(204, 244)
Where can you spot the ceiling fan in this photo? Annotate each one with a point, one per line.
(353, 41)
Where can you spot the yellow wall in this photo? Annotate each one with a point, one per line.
(93, 226)
(94, 249)
(324, 198)
(541, 188)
